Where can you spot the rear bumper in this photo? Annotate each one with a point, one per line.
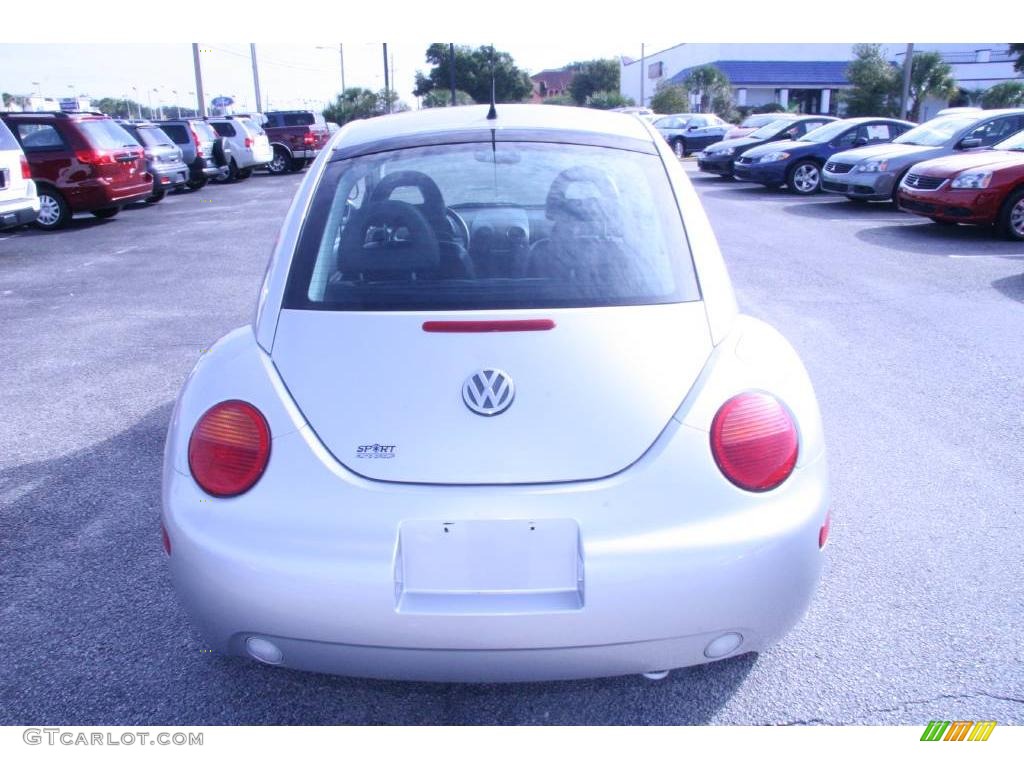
(766, 173)
(20, 211)
(968, 206)
(318, 572)
(95, 194)
(307, 154)
(169, 175)
(863, 186)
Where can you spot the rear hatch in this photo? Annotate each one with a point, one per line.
(205, 136)
(113, 153)
(159, 146)
(13, 184)
(590, 395)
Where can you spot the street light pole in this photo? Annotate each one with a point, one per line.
(908, 66)
(200, 99)
(255, 76)
(387, 80)
(341, 56)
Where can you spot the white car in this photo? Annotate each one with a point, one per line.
(496, 418)
(19, 203)
(250, 147)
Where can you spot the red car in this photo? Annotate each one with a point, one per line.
(81, 162)
(983, 187)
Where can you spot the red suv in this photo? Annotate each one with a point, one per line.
(81, 162)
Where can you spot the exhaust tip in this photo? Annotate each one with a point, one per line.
(264, 650)
(660, 675)
(723, 645)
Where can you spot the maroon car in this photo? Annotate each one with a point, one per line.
(81, 162)
(983, 187)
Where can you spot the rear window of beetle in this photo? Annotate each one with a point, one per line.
(492, 226)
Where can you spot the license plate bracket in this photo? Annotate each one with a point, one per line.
(489, 566)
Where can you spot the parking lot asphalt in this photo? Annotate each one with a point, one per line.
(911, 333)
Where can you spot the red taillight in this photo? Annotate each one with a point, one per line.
(199, 146)
(92, 157)
(754, 441)
(823, 533)
(229, 448)
(165, 539)
(26, 172)
(309, 138)
(248, 142)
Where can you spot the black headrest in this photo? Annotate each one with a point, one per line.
(389, 236)
(433, 202)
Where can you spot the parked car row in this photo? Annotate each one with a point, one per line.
(56, 164)
(960, 167)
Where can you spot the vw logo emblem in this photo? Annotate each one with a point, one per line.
(488, 392)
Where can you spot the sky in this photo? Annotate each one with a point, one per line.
(292, 75)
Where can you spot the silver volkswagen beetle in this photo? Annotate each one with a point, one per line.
(496, 418)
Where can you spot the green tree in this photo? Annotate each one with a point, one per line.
(1018, 48)
(592, 77)
(473, 74)
(440, 97)
(361, 103)
(670, 99)
(712, 87)
(876, 84)
(1002, 95)
(608, 100)
(930, 76)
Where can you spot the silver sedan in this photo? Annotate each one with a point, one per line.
(497, 417)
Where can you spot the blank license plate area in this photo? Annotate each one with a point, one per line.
(489, 566)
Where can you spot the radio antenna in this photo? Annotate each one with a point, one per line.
(492, 114)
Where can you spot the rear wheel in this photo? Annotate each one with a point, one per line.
(280, 163)
(157, 196)
(54, 211)
(106, 213)
(804, 178)
(195, 184)
(679, 147)
(230, 175)
(1011, 217)
(245, 173)
(298, 164)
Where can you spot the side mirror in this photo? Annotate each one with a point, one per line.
(970, 143)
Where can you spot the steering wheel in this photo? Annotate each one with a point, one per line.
(389, 236)
(460, 230)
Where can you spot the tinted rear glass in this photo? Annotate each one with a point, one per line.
(224, 129)
(153, 137)
(106, 134)
(177, 133)
(204, 130)
(482, 226)
(7, 140)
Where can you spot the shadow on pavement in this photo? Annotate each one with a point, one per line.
(1012, 286)
(941, 240)
(92, 632)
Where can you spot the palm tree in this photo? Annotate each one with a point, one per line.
(1018, 48)
(929, 76)
(710, 82)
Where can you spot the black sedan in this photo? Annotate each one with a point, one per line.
(719, 157)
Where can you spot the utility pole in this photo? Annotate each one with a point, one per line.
(200, 99)
(341, 56)
(642, 76)
(387, 80)
(255, 76)
(908, 65)
(451, 69)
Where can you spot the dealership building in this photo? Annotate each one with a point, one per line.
(809, 76)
